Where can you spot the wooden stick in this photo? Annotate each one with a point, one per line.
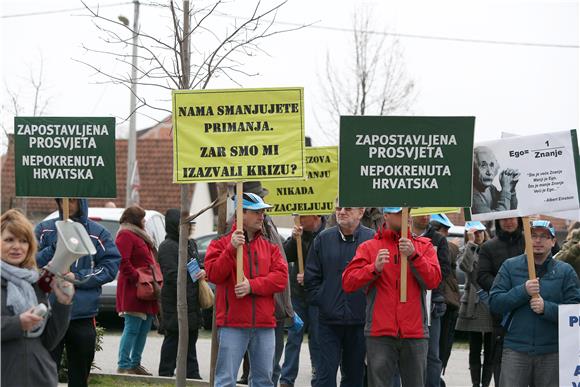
(240, 226)
(65, 209)
(299, 246)
(404, 228)
(529, 249)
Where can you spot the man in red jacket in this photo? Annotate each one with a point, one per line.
(396, 332)
(245, 311)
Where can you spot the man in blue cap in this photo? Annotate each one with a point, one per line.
(441, 224)
(530, 310)
(421, 226)
(245, 310)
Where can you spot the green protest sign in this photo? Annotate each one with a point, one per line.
(405, 161)
(65, 157)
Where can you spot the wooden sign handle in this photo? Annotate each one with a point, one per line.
(65, 209)
(239, 226)
(529, 249)
(299, 246)
(404, 234)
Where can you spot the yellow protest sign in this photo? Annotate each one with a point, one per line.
(434, 210)
(313, 196)
(238, 134)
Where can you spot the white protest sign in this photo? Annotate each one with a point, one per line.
(569, 345)
(526, 175)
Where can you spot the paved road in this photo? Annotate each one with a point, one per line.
(457, 374)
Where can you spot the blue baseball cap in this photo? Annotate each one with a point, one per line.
(443, 219)
(545, 224)
(478, 226)
(251, 201)
(392, 210)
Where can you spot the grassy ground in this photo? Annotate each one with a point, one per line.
(111, 381)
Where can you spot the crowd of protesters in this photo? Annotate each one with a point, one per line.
(347, 299)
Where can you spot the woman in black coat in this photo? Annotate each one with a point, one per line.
(168, 259)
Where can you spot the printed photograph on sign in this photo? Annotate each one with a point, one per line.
(521, 176)
(238, 134)
(486, 196)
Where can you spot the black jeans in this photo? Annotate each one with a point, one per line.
(168, 360)
(79, 341)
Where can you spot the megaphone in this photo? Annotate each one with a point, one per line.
(73, 242)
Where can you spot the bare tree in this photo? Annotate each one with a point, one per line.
(13, 106)
(171, 62)
(374, 81)
(162, 60)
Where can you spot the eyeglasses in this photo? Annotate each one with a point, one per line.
(347, 209)
(542, 237)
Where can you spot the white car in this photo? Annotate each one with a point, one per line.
(109, 218)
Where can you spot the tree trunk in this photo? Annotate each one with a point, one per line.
(182, 347)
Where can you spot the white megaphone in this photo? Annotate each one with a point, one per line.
(73, 242)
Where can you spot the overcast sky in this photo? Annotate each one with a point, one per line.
(454, 51)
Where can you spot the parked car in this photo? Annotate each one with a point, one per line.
(109, 218)
(202, 244)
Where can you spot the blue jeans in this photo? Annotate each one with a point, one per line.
(133, 340)
(309, 315)
(344, 346)
(233, 343)
(433, 360)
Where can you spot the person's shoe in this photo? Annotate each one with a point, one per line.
(128, 371)
(286, 385)
(140, 370)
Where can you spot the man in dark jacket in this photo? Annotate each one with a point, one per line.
(342, 316)
(530, 307)
(310, 227)
(168, 260)
(93, 272)
(508, 242)
(421, 227)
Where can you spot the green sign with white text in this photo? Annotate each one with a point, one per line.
(405, 161)
(65, 157)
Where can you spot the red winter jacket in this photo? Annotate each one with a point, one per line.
(265, 269)
(134, 253)
(386, 315)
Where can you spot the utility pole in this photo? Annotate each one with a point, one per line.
(132, 142)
